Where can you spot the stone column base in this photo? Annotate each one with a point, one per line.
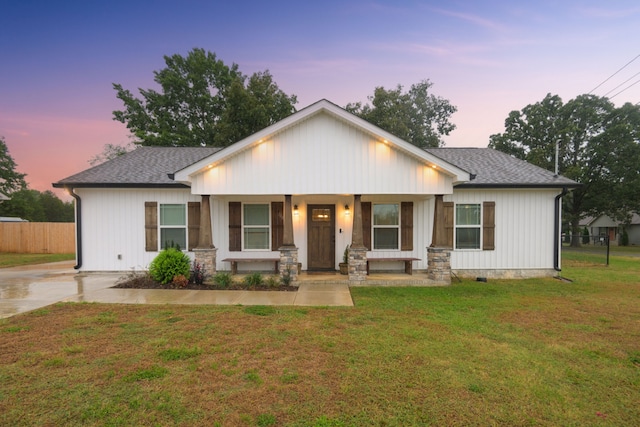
(439, 265)
(207, 259)
(357, 264)
(288, 266)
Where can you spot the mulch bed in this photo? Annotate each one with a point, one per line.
(146, 282)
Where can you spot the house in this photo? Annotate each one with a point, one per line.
(11, 219)
(297, 193)
(604, 225)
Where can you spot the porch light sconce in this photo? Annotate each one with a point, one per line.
(295, 210)
(346, 210)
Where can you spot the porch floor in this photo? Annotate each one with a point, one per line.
(418, 278)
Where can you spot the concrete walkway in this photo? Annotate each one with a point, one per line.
(28, 288)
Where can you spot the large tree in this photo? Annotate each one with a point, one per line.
(202, 102)
(416, 116)
(597, 145)
(10, 179)
(110, 152)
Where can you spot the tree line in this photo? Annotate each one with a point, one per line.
(587, 139)
(31, 205)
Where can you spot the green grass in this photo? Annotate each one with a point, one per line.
(507, 352)
(15, 259)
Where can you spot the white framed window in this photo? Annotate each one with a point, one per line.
(173, 226)
(386, 226)
(468, 226)
(256, 229)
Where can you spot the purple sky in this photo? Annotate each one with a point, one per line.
(58, 60)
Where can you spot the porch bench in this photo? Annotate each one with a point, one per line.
(408, 262)
(234, 263)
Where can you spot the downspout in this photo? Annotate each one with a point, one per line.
(78, 228)
(556, 230)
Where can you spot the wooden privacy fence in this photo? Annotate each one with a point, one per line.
(38, 237)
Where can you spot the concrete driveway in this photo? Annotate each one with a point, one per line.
(28, 288)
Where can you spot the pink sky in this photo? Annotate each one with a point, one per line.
(486, 57)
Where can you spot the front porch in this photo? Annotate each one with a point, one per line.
(322, 227)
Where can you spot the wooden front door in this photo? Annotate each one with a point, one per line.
(321, 237)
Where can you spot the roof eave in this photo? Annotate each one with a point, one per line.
(525, 185)
(116, 185)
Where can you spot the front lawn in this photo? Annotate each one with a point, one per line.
(18, 259)
(531, 352)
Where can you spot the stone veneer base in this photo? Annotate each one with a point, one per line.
(289, 263)
(357, 264)
(207, 259)
(439, 265)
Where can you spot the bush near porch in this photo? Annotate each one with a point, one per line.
(530, 352)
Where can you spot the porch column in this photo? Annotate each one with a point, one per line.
(357, 250)
(287, 235)
(205, 239)
(288, 266)
(205, 252)
(356, 231)
(438, 254)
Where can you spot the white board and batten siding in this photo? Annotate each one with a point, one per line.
(321, 155)
(113, 229)
(524, 234)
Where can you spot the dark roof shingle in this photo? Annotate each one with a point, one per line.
(494, 168)
(151, 166)
(142, 166)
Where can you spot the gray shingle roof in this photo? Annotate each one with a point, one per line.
(494, 168)
(143, 166)
(151, 166)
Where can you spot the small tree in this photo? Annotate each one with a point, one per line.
(585, 236)
(624, 237)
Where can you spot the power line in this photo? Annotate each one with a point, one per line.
(621, 84)
(608, 78)
(632, 84)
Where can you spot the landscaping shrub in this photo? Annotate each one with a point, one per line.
(585, 236)
(223, 279)
(273, 281)
(168, 264)
(180, 281)
(198, 273)
(253, 279)
(624, 237)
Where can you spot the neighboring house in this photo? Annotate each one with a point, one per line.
(11, 219)
(604, 225)
(3, 197)
(304, 188)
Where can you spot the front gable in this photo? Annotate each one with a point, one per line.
(322, 150)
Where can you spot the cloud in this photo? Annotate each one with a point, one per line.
(599, 12)
(474, 19)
